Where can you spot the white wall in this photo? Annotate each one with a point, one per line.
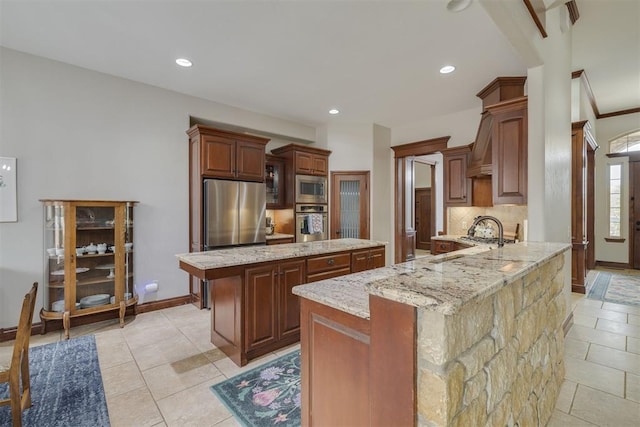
(382, 190)
(80, 134)
(461, 127)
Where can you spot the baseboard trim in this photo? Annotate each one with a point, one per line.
(608, 264)
(162, 304)
(579, 289)
(568, 323)
(8, 334)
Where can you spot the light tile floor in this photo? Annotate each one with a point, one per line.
(157, 370)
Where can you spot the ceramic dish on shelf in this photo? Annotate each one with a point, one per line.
(58, 306)
(61, 272)
(94, 300)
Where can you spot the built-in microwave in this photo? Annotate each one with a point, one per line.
(311, 189)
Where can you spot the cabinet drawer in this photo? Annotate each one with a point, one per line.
(442, 246)
(329, 262)
(328, 274)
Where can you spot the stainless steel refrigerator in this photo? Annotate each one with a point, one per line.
(234, 213)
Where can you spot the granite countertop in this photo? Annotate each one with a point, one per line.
(276, 236)
(440, 283)
(255, 254)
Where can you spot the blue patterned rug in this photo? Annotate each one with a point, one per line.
(265, 396)
(616, 288)
(66, 386)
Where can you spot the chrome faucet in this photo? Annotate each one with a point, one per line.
(477, 219)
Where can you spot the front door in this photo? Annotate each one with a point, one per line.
(423, 218)
(634, 211)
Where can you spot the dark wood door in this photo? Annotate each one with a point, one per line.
(634, 211)
(291, 274)
(423, 218)
(349, 205)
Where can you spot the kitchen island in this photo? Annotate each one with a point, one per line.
(253, 310)
(471, 337)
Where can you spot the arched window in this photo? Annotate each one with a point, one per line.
(626, 143)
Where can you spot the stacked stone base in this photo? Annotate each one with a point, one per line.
(497, 361)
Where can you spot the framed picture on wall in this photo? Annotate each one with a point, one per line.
(8, 195)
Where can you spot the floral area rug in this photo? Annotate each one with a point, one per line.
(268, 395)
(616, 288)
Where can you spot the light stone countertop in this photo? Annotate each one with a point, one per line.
(244, 255)
(440, 283)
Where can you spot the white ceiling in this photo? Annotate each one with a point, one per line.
(377, 62)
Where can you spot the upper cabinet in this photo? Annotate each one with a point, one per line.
(457, 187)
(509, 151)
(301, 160)
(305, 160)
(498, 158)
(227, 155)
(274, 177)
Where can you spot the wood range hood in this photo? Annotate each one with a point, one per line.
(496, 93)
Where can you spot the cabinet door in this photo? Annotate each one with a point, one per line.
(249, 161)
(456, 183)
(377, 258)
(320, 165)
(274, 179)
(359, 261)
(260, 306)
(290, 274)
(509, 135)
(218, 157)
(304, 163)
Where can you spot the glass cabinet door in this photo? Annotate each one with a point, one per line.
(95, 250)
(128, 253)
(274, 182)
(54, 241)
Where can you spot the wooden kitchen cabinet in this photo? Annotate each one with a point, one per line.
(274, 179)
(88, 261)
(217, 153)
(509, 151)
(457, 187)
(443, 246)
(280, 241)
(307, 163)
(229, 155)
(301, 160)
(367, 259)
(273, 311)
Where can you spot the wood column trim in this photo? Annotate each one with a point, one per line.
(392, 363)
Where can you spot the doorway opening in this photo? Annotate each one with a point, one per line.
(405, 233)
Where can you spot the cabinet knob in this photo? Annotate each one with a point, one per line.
(331, 261)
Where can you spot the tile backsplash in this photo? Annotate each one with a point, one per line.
(460, 219)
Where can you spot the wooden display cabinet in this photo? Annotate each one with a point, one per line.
(274, 179)
(88, 266)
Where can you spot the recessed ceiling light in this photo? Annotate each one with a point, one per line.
(457, 5)
(334, 111)
(447, 69)
(183, 62)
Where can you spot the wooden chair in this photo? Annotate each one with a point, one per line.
(19, 364)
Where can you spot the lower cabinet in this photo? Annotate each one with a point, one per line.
(273, 311)
(253, 308)
(444, 246)
(367, 259)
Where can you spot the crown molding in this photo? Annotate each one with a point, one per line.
(574, 14)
